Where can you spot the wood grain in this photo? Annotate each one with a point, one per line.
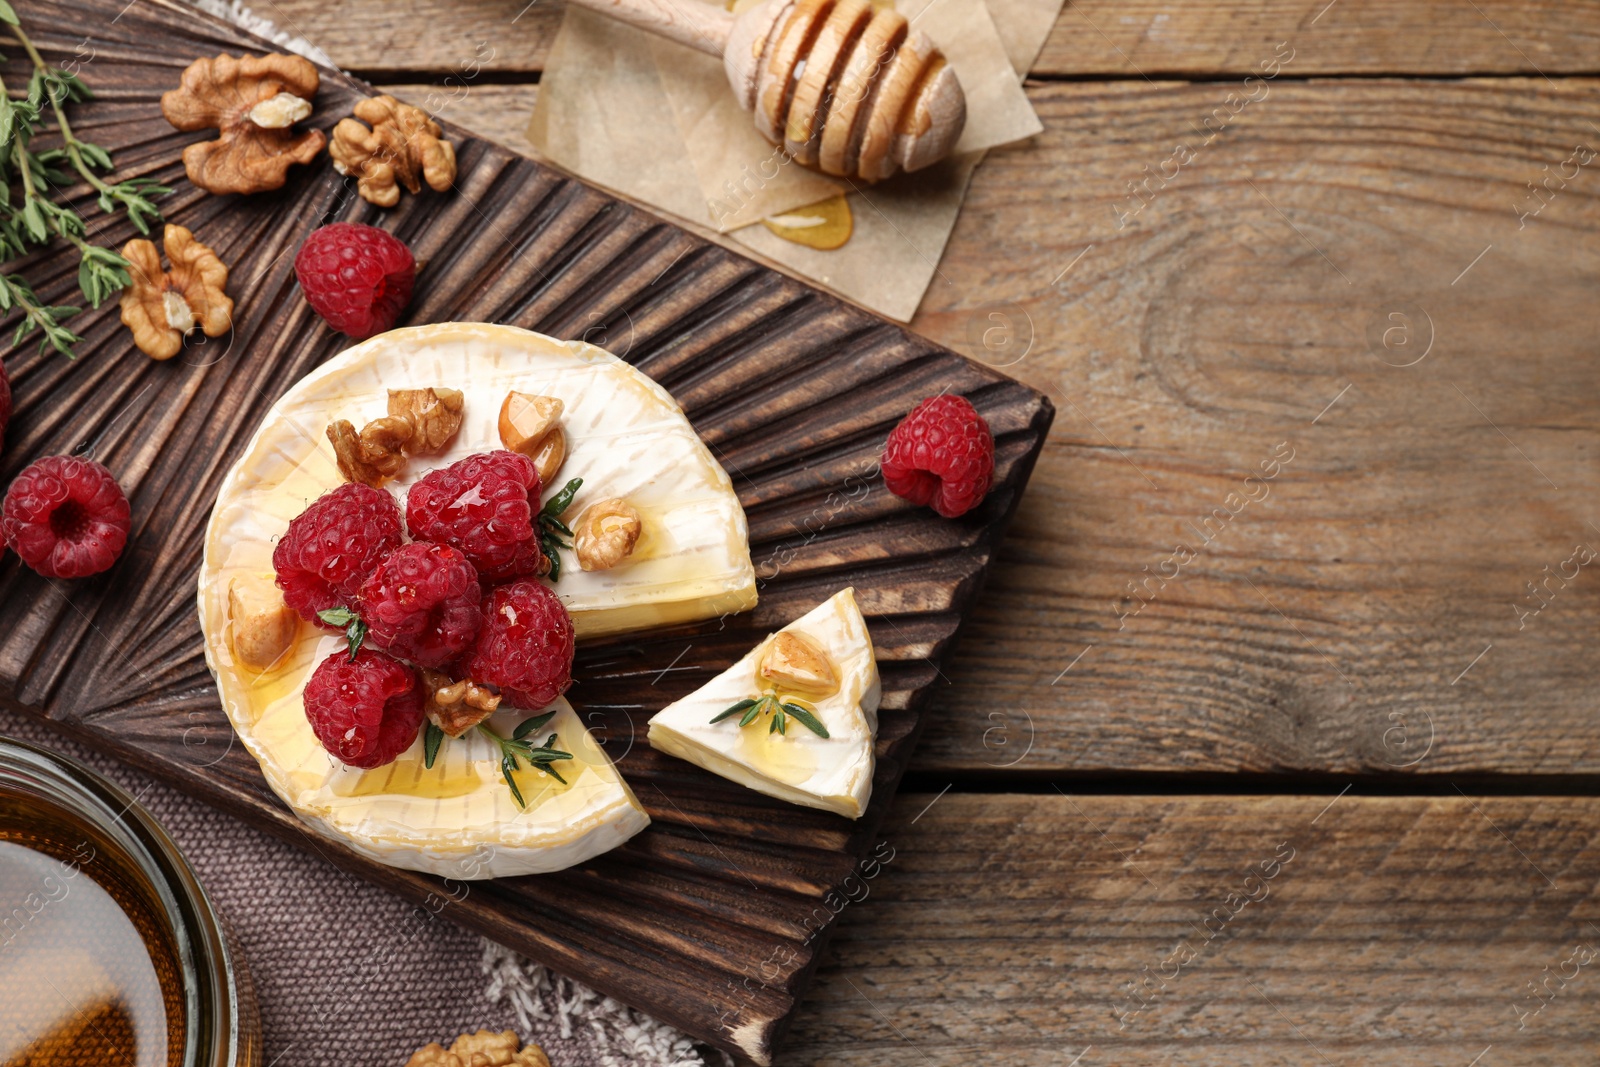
(464, 43)
(1400, 931)
(1341, 623)
(1331, 625)
(697, 920)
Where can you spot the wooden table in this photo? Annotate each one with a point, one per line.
(1273, 739)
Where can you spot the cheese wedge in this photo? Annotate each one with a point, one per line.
(833, 773)
(626, 438)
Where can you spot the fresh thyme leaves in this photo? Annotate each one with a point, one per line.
(552, 529)
(355, 631)
(752, 708)
(517, 746)
(29, 218)
(432, 737)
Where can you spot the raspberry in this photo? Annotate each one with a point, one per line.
(941, 454)
(358, 278)
(485, 505)
(366, 711)
(66, 517)
(524, 646)
(421, 604)
(331, 547)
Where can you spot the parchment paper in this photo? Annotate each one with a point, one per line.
(657, 122)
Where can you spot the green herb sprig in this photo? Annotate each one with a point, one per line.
(768, 703)
(355, 631)
(552, 529)
(517, 746)
(29, 218)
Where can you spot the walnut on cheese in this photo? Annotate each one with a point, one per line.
(253, 104)
(164, 307)
(456, 707)
(792, 662)
(605, 534)
(482, 1049)
(373, 454)
(434, 414)
(420, 422)
(402, 143)
(264, 627)
(531, 425)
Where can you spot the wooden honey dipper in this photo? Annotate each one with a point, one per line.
(842, 85)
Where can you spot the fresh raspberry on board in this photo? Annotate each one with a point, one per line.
(942, 454)
(66, 517)
(331, 547)
(358, 278)
(366, 710)
(422, 604)
(524, 646)
(486, 505)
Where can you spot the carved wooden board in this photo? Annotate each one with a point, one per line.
(713, 918)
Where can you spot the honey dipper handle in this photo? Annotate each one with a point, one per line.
(691, 22)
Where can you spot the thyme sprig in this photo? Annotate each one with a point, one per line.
(355, 631)
(518, 747)
(768, 703)
(552, 529)
(30, 219)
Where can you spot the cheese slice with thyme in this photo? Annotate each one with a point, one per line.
(833, 773)
(626, 438)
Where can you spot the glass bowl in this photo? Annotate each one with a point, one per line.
(110, 951)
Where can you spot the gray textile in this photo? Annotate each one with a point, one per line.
(348, 974)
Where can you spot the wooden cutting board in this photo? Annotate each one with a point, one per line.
(713, 919)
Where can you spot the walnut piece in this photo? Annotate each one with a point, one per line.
(163, 307)
(531, 425)
(402, 143)
(252, 103)
(434, 414)
(374, 454)
(482, 1049)
(264, 627)
(605, 534)
(456, 707)
(794, 662)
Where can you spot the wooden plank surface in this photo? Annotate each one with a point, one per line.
(1361, 615)
(501, 39)
(1098, 930)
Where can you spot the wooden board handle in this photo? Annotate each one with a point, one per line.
(689, 22)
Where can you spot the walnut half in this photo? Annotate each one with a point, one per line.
(374, 454)
(164, 307)
(434, 414)
(605, 534)
(252, 103)
(402, 146)
(482, 1049)
(456, 707)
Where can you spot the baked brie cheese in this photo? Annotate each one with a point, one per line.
(819, 667)
(625, 437)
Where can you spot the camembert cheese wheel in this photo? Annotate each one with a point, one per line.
(626, 438)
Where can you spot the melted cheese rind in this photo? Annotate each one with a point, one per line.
(626, 437)
(832, 773)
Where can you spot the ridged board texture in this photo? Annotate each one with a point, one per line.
(714, 918)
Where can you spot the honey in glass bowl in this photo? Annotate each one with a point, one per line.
(110, 953)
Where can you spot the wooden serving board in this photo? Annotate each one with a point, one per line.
(713, 918)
